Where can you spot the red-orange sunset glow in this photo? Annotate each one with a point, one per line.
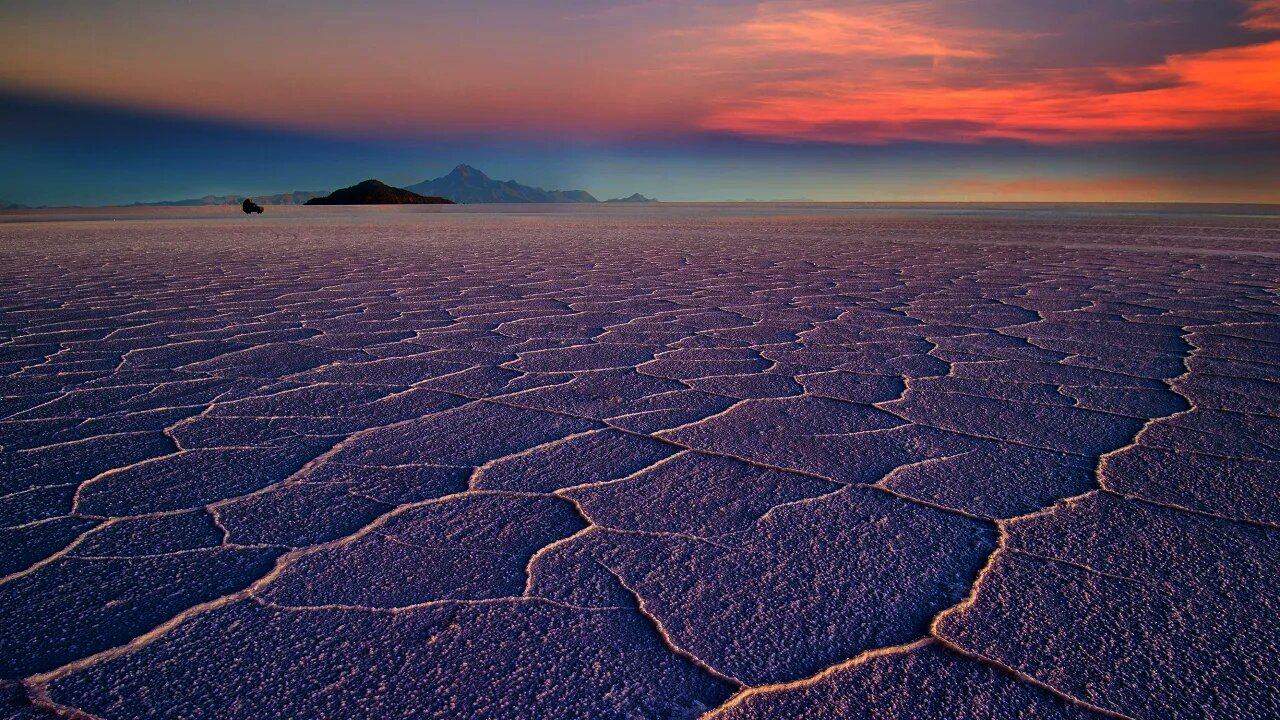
(884, 78)
(823, 99)
(869, 72)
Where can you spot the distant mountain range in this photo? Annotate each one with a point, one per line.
(375, 192)
(468, 185)
(298, 197)
(464, 184)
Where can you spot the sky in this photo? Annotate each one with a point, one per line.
(107, 101)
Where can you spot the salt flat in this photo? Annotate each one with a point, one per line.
(651, 462)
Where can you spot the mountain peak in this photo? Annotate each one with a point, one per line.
(469, 185)
(466, 170)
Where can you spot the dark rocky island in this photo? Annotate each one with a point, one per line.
(249, 206)
(374, 192)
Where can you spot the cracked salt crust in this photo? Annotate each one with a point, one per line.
(641, 466)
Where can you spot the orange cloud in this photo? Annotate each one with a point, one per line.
(1263, 15)
(867, 98)
(871, 32)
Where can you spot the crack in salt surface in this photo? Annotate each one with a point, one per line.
(665, 636)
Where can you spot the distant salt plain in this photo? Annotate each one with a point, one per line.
(732, 461)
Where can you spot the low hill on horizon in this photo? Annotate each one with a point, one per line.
(466, 184)
(376, 192)
(297, 197)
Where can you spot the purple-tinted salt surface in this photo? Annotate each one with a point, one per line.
(641, 463)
